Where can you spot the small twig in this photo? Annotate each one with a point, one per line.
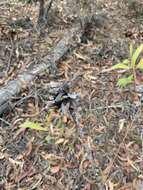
(3, 120)
(109, 107)
(48, 9)
(142, 142)
(43, 14)
(41, 10)
(10, 57)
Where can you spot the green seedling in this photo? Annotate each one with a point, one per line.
(45, 125)
(33, 125)
(130, 66)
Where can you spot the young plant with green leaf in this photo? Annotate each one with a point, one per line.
(130, 66)
(45, 126)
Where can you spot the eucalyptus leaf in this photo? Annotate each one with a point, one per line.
(122, 82)
(131, 50)
(33, 125)
(120, 66)
(126, 62)
(140, 64)
(136, 54)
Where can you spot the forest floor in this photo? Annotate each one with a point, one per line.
(103, 149)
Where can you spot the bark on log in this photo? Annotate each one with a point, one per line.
(68, 42)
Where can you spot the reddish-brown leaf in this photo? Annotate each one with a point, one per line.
(55, 169)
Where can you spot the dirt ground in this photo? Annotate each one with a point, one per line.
(103, 149)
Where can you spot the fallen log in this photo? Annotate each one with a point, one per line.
(69, 41)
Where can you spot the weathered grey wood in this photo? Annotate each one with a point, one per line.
(68, 42)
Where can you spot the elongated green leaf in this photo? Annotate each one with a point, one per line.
(49, 117)
(126, 62)
(122, 82)
(130, 77)
(131, 50)
(136, 55)
(120, 66)
(140, 64)
(32, 125)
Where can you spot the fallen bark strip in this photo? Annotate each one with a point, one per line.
(67, 43)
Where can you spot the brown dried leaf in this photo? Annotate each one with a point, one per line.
(55, 169)
(60, 141)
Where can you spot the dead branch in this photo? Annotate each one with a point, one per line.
(23, 79)
(41, 11)
(47, 9)
(43, 14)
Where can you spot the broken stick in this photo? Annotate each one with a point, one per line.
(68, 42)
